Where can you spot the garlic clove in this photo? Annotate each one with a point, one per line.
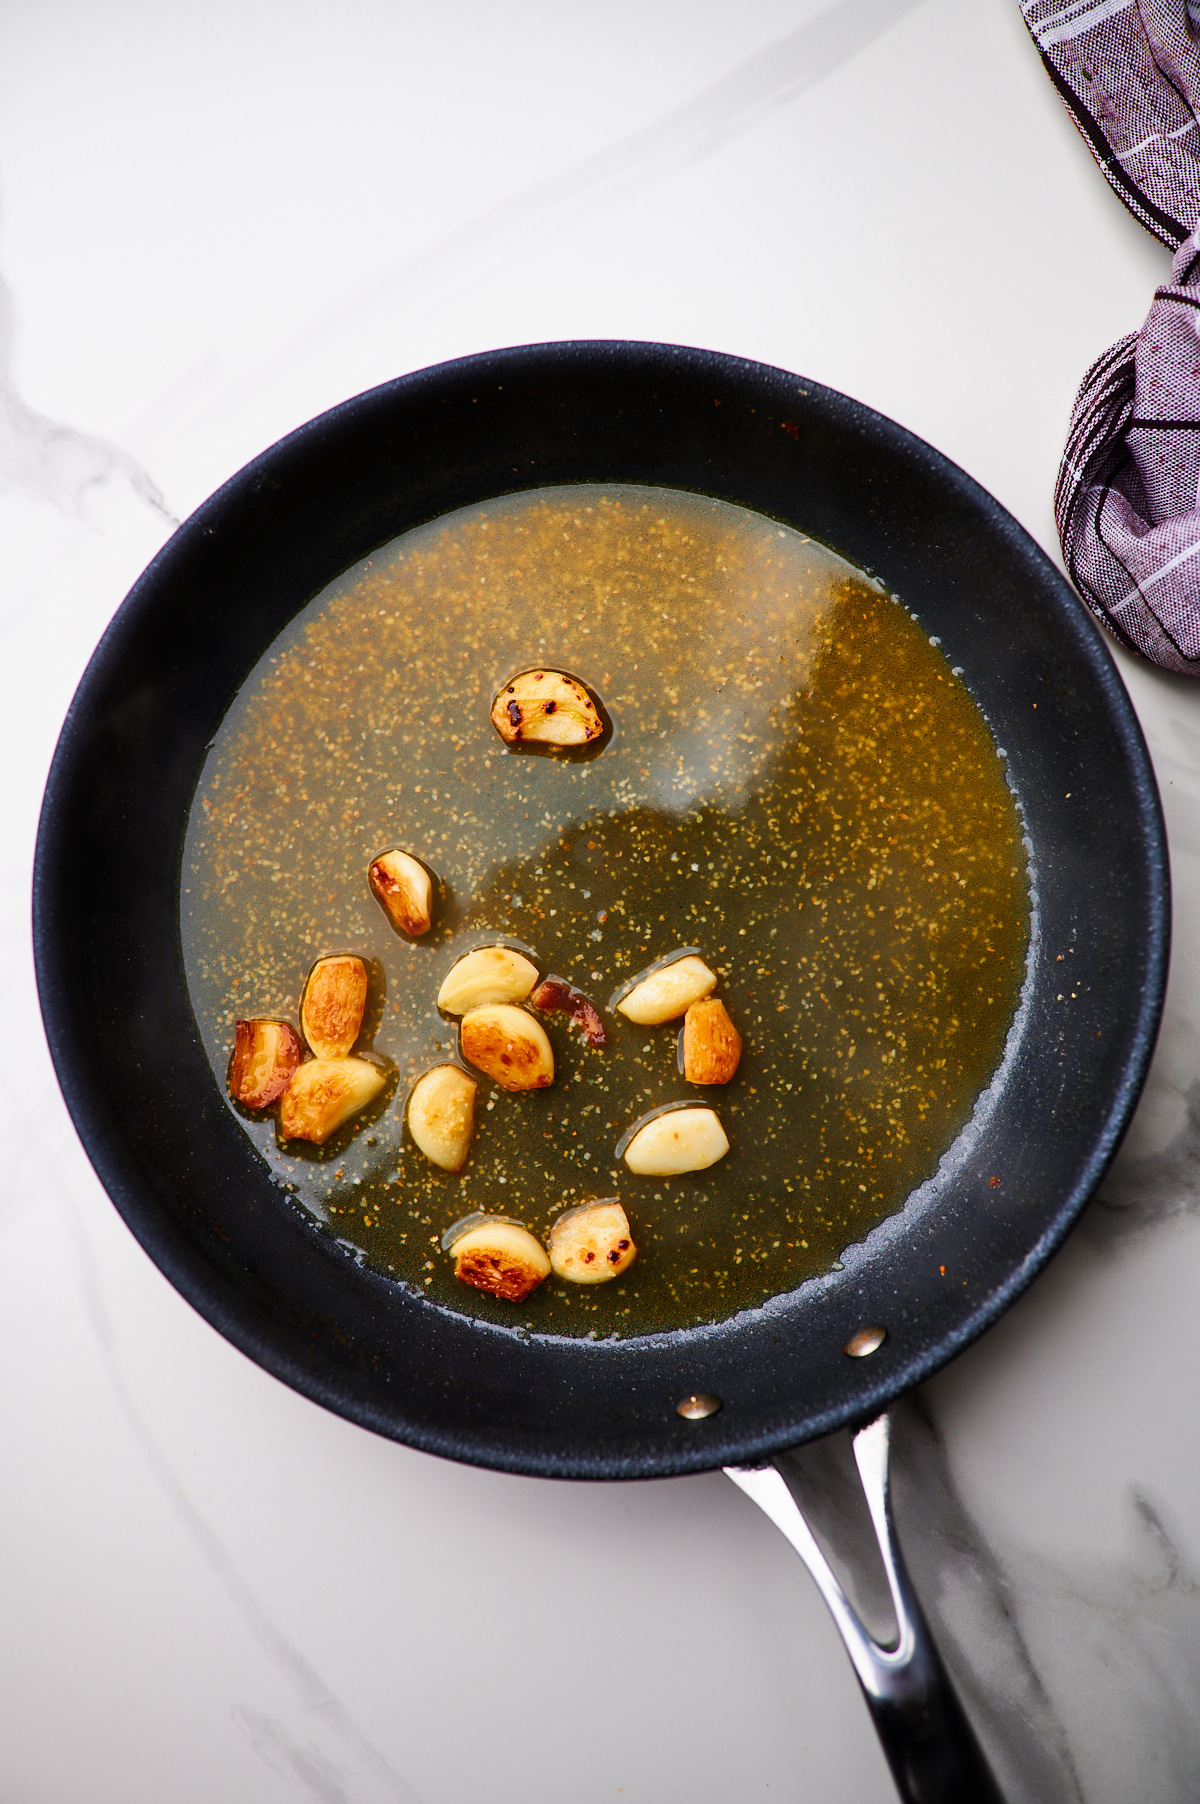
(333, 1003)
(673, 1141)
(265, 1054)
(497, 1256)
(441, 1115)
(592, 1243)
(666, 991)
(546, 707)
(404, 888)
(712, 1046)
(489, 974)
(508, 1046)
(324, 1094)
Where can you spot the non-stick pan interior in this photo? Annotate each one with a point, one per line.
(128, 1056)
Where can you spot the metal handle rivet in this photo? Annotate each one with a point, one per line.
(694, 1409)
(867, 1340)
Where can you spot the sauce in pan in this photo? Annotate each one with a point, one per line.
(795, 782)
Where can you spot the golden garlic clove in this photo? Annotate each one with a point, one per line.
(496, 1255)
(441, 1115)
(333, 1003)
(674, 1141)
(405, 889)
(592, 1243)
(712, 1045)
(324, 1094)
(265, 1054)
(665, 991)
(546, 707)
(489, 974)
(508, 1046)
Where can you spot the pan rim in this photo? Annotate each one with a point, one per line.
(182, 1261)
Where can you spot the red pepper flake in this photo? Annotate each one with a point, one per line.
(942, 1270)
(556, 993)
(993, 1183)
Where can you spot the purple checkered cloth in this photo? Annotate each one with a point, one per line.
(1127, 501)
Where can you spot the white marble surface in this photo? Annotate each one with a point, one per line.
(214, 222)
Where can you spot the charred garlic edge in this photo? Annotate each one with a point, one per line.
(404, 887)
(501, 1258)
(548, 709)
(595, 1251)
(478, 1218)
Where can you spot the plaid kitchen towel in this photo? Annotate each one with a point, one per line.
(1127, 501)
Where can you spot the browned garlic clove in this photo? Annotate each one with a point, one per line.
(674, 1141)
(508, 1046)
(546, 707)
(712, 1045)
(324, 1094)
(265, 1054)
(592, 1243)
(405, 890)
(441, 1115)
(665, 991)
(496, 1255)
(489, 974)
(333, 1003)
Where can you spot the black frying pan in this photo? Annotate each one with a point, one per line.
(129, 1058)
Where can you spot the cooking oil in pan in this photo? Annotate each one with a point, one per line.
(795, 782)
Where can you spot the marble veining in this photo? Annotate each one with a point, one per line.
(52, 460)
(975, 1611)
(322, 1744)
(1144, 1190)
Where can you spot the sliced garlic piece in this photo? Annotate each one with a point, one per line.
(667, 991)
(489, 974)
(332, 1006)
(546, 707)
(508, 1046)
(497, 1256)
(675, 1140)
(405, 890)
(324, 1094)
(441, 1115)
(592, 1243)
(265, 1054)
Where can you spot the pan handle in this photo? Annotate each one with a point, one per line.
(929, 1744)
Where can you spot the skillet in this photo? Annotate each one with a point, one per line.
(190, 1185)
